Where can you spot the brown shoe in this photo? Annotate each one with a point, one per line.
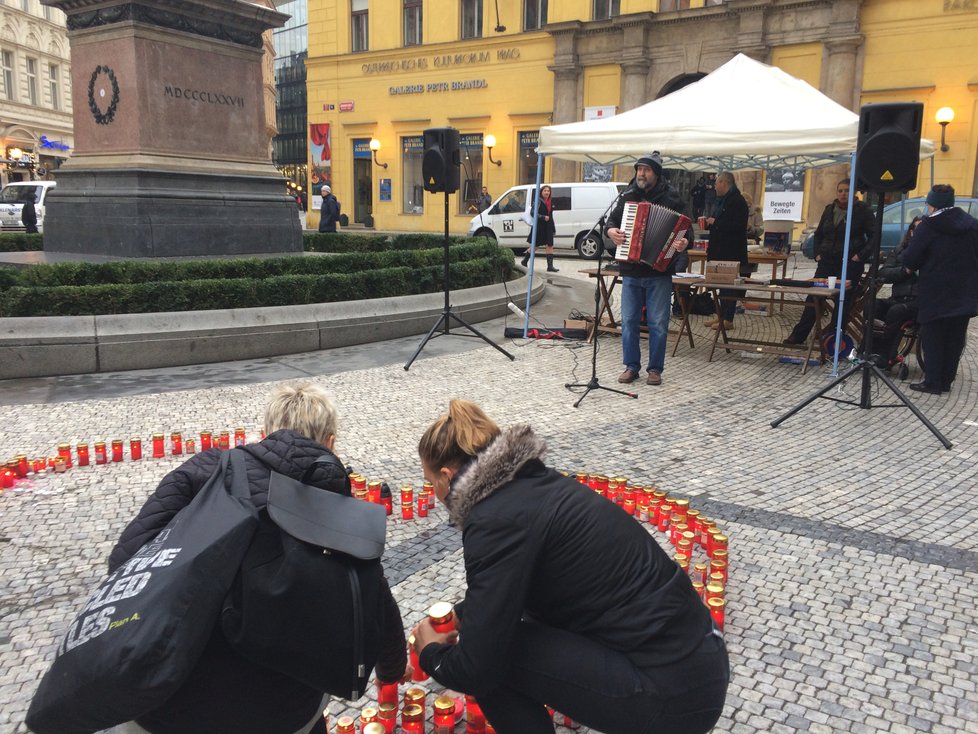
(627, 376)
(727, 326)
(710, 322)
(654, 378)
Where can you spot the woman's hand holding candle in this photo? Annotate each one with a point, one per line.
(424, 634)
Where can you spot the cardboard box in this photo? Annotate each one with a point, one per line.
(575, 324)
(722, 271)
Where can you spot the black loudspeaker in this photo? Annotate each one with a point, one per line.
(888, 148)
(439, 166)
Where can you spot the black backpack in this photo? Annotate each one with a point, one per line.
(309, 597)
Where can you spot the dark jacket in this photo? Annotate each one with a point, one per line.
(329, 214)
(546, 229)
(944, 250)
(905, 288)
(664, 195)
(539, 544)
(830, 238)
(728, 233)
(28, 215)
(226, 692)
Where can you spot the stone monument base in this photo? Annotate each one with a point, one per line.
(136, 212)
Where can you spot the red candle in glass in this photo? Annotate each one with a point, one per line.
(423, 505)
(412, 719)
(429, 490)
(444, 718)
(117, 449)
(713, 591)
(345, 725)
(191, 447)
(205, 440)
(418, 674)
(692, 519)
(629, 506)
(581, 477)
(64, 451)
(442, 616)
(135, 449)
(159, 448)
(224, 442)
(665, 512)
(388, 502)
(239, 437)
(6, 479)
(60, 465)
(475, 720)
(23, 466)
(38, 465)
(368, 715)
(374, 727)
(407, 502)
(82, 451)
(176, 443)
(699, 588)
(387, 693)
(387, 715)
(100, 455)
(717, 607)
(373, 492)
(719, 543)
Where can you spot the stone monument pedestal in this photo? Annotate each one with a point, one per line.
(171, 153)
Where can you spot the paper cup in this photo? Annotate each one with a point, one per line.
(831, 281)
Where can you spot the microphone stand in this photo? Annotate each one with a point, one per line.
(593, 383)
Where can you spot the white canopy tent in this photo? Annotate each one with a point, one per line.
(745, 115)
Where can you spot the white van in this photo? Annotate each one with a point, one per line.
(577, 208)
(12, 200)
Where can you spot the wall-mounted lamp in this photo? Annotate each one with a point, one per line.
(15, 154)
(943, 117)
(374, 147)
(490, 142)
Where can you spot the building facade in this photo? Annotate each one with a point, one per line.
(35, 91)
(385, 70)
(290, 148)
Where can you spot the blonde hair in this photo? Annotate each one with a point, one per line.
(304, 408)
(456, 436)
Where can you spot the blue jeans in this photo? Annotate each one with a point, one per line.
(603, 689)
(655, 294)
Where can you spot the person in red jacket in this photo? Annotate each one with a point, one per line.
(569, 601)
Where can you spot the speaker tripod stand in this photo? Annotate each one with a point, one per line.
(442, 326)
(866, 367)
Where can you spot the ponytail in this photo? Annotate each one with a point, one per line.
(457, 436)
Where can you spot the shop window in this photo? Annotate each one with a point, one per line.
(528, 156)
(53, 86)
(534, 14)
(604, 9)
(359, 25)
(7, 73)
(32, 81)
(470, 172)
(412, 23)
(412, 151)
(471, 19)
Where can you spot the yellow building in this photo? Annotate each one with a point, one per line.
(385, 70)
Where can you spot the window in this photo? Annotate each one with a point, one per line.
(471, 18)
(32, 81)
(53, 87)
(604, 9)
(358, 23)
(412, 180)
(529, 140)
(534, 14)
(412, 23)
(667, 5)
(7, 70)
(25, 4)
(470, 172)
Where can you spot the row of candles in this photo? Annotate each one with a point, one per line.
(446, 710)
(686, 529)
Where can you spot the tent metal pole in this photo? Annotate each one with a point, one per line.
(845, 268)
(541, 160)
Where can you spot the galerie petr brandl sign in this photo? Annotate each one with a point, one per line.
(443, 61)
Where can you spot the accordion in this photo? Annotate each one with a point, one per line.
(652, 233)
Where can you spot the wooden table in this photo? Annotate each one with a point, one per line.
(756, 292)
(606, 318)
(774, 259)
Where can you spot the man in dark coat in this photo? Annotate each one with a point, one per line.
(944, 252)
(830, 242)
(28, 214)
(728, 239)
(329, 213)
(641, 284)
(699, 196)
(902, 304)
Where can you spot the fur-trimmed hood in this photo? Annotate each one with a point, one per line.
(495, 466)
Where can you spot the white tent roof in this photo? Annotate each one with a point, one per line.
(743, 115)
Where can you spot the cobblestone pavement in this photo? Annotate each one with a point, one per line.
(854, 555)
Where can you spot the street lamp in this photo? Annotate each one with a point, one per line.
(943, 117)
(374, 147)
(490, 144)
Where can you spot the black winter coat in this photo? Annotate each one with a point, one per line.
(830, 238)
(728, 234)
(546, 229)
(664, 195)
(538, 544)
(226, 692)
(944, 249)
(905, 288)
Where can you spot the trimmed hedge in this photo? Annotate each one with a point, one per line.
(21, 242)
(72, 289)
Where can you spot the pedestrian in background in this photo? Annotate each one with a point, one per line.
(329, 212)
(485, 200)
(545, 228)
(728, 240)
(944, 252)
(569, 602)
(28, 214)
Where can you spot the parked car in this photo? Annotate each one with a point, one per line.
(577, 207)
(896, 219)
(11, 202)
